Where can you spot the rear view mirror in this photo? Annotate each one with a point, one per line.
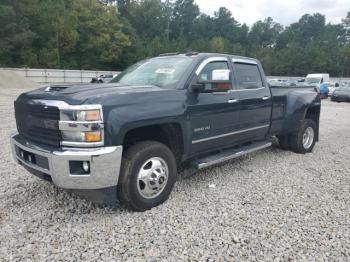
(221, 75)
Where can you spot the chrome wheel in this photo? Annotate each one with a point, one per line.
(152, 177)
(308, 137)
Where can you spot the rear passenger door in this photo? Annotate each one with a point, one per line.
(255, 103)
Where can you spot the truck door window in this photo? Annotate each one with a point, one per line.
(206, 76)
(248, 76)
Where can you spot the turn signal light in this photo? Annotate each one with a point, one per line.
(93, 136)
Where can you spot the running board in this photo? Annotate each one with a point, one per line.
(231, 154)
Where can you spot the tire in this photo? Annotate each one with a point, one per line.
(297, 142)
(284, 142)
(143, 157)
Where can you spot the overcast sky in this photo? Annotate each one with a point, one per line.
(282, 11)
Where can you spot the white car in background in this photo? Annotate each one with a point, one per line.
(332, 86)
(102, 79)
(317, 79)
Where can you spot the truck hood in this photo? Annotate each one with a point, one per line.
(79, 94)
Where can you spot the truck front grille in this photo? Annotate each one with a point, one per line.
(38, 123)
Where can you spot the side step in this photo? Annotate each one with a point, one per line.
(231, 154)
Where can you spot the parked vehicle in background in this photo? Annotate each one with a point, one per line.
(317, 78)
(332, 86)
(130, 137)
(285, 82)
(102, 79)
(277, 82)
(341, 94)
(320, 81)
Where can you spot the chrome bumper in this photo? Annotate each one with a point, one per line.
(104, 164)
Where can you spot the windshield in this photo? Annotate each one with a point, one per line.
(313, 80)
(163, 72)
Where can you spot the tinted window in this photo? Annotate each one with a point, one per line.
(248, 76)
(207, 75)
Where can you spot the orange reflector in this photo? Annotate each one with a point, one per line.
(93, 115)
(93, 136)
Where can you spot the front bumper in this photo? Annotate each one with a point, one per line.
(104, 164)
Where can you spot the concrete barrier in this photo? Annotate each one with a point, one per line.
(52, 76)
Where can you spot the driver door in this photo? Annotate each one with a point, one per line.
(213, 111)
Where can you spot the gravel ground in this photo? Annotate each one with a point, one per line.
(270, 205)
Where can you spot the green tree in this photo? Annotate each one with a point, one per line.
(15, 36)
(112, 34)
(184, 14)
(346, 26)
(217, 44)
(225, 25)
(264, 33)
(101, 35)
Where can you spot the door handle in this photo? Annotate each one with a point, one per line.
(265, 98)
(231, 101)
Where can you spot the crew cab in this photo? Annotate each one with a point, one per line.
(127, 140)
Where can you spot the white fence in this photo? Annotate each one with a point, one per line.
(58, 75)
(53, 76)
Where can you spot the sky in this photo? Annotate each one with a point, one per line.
(282, 11)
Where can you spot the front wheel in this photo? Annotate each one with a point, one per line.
(148, 174)
(303, 141)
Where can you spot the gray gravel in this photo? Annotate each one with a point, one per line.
(270, 205)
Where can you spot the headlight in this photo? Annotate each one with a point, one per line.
(88, 115)
(81, 115)
(82, 126)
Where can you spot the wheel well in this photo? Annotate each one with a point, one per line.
(314, 114)
(168, 134)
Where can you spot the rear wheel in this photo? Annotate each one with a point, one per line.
(148, 175)
(303, 141)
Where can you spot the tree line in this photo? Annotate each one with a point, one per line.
(111, 35)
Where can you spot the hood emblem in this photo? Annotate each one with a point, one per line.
(48, 89)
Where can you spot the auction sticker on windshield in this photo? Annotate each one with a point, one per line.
(168, 71)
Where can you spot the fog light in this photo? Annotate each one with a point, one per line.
(86, 166)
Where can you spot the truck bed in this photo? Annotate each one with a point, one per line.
(289, 105)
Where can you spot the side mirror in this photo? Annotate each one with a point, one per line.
(221, 75)
(197, 87)
(219, 82)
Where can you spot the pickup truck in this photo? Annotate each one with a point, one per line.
(126, 141)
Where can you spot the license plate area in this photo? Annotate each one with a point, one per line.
(32, 159)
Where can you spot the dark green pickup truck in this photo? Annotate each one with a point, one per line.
(128, 139)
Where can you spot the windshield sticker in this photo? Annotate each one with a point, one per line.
(168, 71)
